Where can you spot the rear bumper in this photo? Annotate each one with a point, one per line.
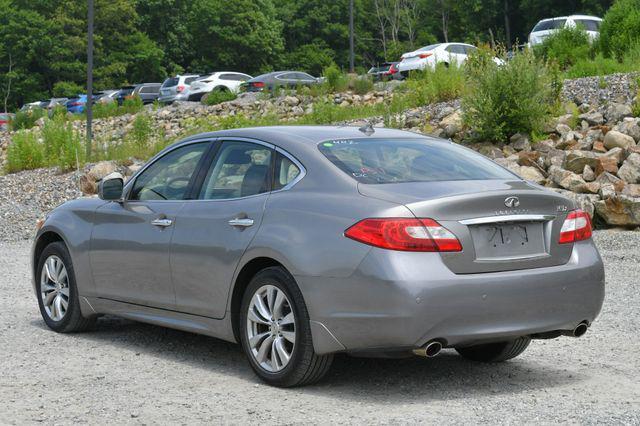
(398, 300)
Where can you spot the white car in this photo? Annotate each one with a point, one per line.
(544, 28)
(429, 56)
(218, 81)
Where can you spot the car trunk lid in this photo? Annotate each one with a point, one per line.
(502, 224)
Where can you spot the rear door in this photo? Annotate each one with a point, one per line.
(130, 240)
(213, 231)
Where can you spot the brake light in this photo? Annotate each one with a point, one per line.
(258, 84)
(404, 235)
(424, 55)
(180, 89)
(576, 227)
(393, 69)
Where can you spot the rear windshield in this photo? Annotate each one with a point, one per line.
(170, 82)
(551, 24)
(427, 48)
(588, 24)
(378, 161)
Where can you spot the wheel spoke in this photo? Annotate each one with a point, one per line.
(59, 267)
(47, 271)
(63, 303)
(271, 297)
(289, 335)
(255, 340)
(278, 304)
(288, 319)
(46, 287)
(65, 291)
(58, 306)
(263, 353)
(282, 351)
(255, 317)
(62, 276)
(49, 298)
(276, 364)
(262, 309)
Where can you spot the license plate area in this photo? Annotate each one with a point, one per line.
(504, 241)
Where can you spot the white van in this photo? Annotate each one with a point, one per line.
(544, 28)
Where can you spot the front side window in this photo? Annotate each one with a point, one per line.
(379, 161)
(168, 177)
(241, 169)
(588, 24)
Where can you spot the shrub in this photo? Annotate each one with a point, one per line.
(501, 101)
(217, 97)
(565, 46)
(439, 84)
(104, 110)
(24, 153)
(26, 119)
(620, 28)
(63, 145)
(361, 85)
(66, 89)
(132, 105)
(335, 79)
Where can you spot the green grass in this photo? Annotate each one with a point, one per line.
(24, 153)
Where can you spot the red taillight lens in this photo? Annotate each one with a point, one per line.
(404, 234)
(181, 89)
(425, 55)
(257, 84)
(576, 227)
(393, 69)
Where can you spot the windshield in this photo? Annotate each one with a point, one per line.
(379, 161)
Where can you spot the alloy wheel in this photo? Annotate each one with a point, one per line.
(271, 328)
(54, 288)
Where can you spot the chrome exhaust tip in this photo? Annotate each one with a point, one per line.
(429, 350)
(579, 331)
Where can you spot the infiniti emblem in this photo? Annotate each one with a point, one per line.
(512, 202)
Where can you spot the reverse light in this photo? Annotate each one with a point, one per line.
(576, 227)
(403, 234)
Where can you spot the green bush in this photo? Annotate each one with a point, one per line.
(66, 89)
(439, 84)
(620, 28)
(565, 46)
(132, 105)
(26, 119)
(335, 79)
(24, 153)
(500, 101)
(104, 110)
(63, 145)
(217, 97)
(361, 85)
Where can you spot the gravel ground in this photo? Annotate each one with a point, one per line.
(125, 372)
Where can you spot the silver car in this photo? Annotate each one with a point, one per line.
(176, 88)
(302, 242)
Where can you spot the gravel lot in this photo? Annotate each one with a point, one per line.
(125, 372)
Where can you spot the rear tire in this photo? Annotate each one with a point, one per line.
(495, 352)
(276, 337)
(55, 279)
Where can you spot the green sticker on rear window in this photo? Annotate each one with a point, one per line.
(327, 144)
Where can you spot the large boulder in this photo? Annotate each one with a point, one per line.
(520, 142)
(616, 112)
(451, 124)
(532, 174)
(99, 170)
(576, 160)
(630, 127)
(630, 169)
(606, 164)
(620, 210)
(567, 179)
(614, 139)
(593, 118)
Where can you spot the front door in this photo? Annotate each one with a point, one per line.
(213, 232)
(131, 240)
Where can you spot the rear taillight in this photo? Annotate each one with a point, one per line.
(424, 55)
(257, 84)
(75, 104)
(404, 235)
(393, 69)
(180, 89)
(576, 227)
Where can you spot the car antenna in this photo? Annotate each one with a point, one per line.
(367, 129)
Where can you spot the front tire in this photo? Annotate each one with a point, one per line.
(275, 332)
(495, 352)
(57, 291)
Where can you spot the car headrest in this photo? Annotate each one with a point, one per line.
(255, 180)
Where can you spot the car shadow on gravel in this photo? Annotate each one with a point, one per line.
(447, 376)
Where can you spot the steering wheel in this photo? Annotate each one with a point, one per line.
(171, 188)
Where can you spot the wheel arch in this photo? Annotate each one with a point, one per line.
(248, 271)
(44, 239)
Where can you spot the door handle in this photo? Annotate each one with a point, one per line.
(162, 222)
(244, 223)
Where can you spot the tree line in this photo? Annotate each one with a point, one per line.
(43, 42)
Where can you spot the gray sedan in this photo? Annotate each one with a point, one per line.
(303, 242)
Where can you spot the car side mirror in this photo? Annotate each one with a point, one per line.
(110, 188)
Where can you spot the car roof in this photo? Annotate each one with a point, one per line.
(571, 17)
(290, 138)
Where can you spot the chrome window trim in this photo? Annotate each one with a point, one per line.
(508, 218)
(301, 175)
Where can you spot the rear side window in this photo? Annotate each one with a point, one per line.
(379, 161)
(233, 77)
(170, 82)
(588, 24)
(551, 24)
(286, 172)
(188, 80)
(149, 89)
